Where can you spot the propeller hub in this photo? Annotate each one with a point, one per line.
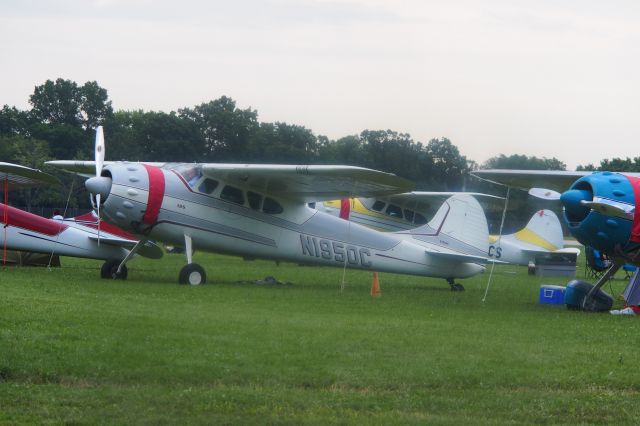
(99, 185)
(572, 200)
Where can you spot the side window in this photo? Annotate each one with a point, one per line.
(254, 200)
(420, 220)
(208, 186)
(408, 214)
(233, 194)
(394, 211)
(378, 205)
(271, 206)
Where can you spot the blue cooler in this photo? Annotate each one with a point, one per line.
(551, 295)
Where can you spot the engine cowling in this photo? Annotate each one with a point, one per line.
(608, 230)
(134, 196)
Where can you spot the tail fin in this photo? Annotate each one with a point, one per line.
(459, 223)
(543, 230)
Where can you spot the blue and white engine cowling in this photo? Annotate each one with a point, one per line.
(600, 211)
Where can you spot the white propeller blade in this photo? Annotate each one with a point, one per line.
(99, 159)
(545, 194)
(610, 209)
(99, 150)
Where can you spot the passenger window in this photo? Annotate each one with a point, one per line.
(378, 205)
(394, 211)
(271, 206)
(419, 219)
(254, 200)
(230, 193)
(208, 186)
(408, 214)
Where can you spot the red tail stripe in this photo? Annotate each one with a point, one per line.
(156, 194)
(345, 208)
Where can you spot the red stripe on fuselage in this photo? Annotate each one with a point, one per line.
(156, 194)
(635, 227)
(30, 221)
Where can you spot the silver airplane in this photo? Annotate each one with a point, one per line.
(261, 211)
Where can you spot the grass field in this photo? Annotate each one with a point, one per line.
(76, 349)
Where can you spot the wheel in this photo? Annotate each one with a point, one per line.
(192, 274)
(455, 286)
(110, 270)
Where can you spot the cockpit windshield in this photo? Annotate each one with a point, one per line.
(190, 173)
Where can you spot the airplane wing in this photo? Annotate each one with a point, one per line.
(309, 183)
(558, 180)
(149, 249)
(87, 168)
(19, 177)
(425, 196)
(302, 183)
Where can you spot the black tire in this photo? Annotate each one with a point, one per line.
(457, 287)
(192, 274)
(109, 270)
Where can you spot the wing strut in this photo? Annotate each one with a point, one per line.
(6, 219)
(64, 214)
(493, 264)
(344, 268)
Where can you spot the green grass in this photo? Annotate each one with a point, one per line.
(81, 350)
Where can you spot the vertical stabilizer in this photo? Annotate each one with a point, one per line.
(543, 230)
(459, 224)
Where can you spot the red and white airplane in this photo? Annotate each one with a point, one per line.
(75, 237)
(262, 211)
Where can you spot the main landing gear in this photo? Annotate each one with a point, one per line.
(191, 273)
(455, 286)
(109, 270)
(116, 270)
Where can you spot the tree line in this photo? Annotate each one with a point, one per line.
(63, 115)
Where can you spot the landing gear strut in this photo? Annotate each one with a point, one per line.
(455, 286)
(117, 270)
(589, 304)
(191, 273)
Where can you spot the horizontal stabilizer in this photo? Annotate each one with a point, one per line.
(150, 249)
(458, 257)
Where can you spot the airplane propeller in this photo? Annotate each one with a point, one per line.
(544, 194)
(98, 186)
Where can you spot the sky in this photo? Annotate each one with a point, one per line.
(545, 78)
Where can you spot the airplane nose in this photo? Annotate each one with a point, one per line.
(99, 185)
(572, 200)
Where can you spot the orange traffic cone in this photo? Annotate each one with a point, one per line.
(375, 285)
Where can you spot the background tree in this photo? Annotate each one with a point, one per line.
(524, 162)
(281, 143)
(225, 128)
(615, 165)
(449, 167)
